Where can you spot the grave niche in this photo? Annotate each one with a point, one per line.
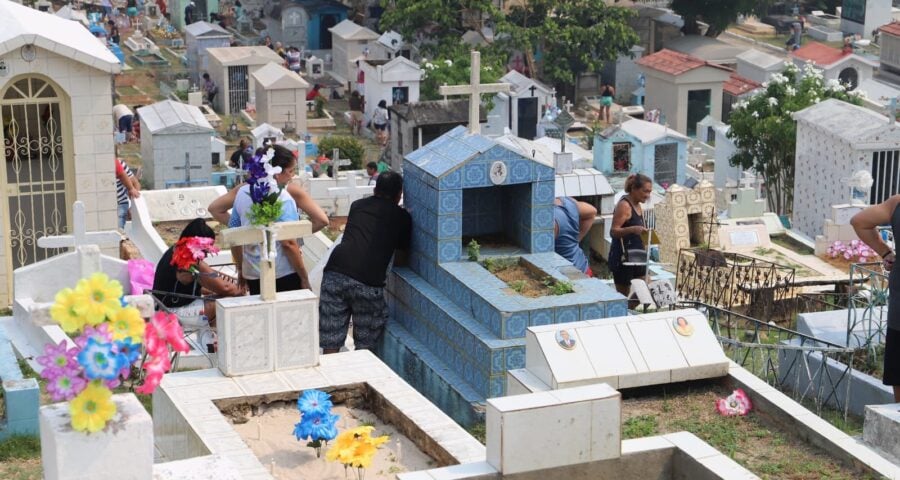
(495, 217)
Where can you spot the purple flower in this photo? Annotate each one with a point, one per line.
(58, 356)
(63, 383)
(100, 334)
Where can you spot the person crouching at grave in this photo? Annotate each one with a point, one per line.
(127, 187)
(290, 273)
(866, 225)
(353, 279)
(240, 156)
(572, 221)
(180, 290)
(627, 227)
(124, 120)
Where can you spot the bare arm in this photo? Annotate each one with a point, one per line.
(866, 222)
(621, 215)
(306, 203)
(291, 250)
(587, 213)
(212, 281)
(220, 206)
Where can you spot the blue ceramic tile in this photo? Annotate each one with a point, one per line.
(477, 142)
(450, 202)
(542, 241)
(543, 193)
(497, 362)
(515, 358)
(542, 218)
(541, 317)
(593, 311)
(475, 175)
(616, 309)
(498, 386)
(566, 314)
(449, 250)
(452, 180)
(515, 325)
(543, 172)
(498, 152)
(520, 171)
(449, 226)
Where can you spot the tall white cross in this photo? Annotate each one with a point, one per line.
(250, 235)
(351, 189)
(80, 237)
(474, 90)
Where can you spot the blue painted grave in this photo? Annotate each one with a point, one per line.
(21, 396)
(455, 328)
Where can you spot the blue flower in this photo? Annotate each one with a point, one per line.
(314, 401)
(99, 360)
(127, 353)
(316, 427)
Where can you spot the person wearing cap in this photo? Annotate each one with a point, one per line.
(189, 13)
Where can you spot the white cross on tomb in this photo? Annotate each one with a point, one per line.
(474, 90)
(254, 235)
(80, 237)
(351, 189)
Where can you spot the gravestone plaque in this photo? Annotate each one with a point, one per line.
(744, 237)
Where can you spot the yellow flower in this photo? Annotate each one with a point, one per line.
(127, 323)
(92, 408)
(355, 447)
(363, 454)
(64, 310)
(102, 298)
(342, 448)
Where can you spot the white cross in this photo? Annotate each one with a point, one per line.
(80, 237)
(474, 90)
(266, 236)
(351, 189)
(338, 161)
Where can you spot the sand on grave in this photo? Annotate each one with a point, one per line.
(270, 434)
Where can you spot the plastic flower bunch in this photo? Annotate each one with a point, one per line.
(848, 251)
(190, 251)
(736, 404)
(264, 189)
(356, 448)
(317, 423)
(108, 338)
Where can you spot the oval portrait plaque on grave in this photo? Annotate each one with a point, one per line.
(683, 326)
(565, 340)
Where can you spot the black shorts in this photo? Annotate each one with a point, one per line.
(286, 283)
(892, 357)
(624, 274)
(380, 126)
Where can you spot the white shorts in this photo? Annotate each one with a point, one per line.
(192, 315)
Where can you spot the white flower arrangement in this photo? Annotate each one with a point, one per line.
(773, 102)
(790, 91)
(449, 62)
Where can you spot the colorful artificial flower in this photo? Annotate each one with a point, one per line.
(190, 251)
(99, 361)
(736, 404)
(100, 334)
(92, 408)
(63, 383)
(263, 189)
(356, 447)
(58, 356)
(64, 310)
(101, 298)
(163, 331)
(127, 324)
(314, 401)
(128, 353)
(154, 367)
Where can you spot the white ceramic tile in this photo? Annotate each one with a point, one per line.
(535, 362)
(262, 383)
(696, 372)
(514, 386)
(493, 436)
(566, 365)
(423, 475)
(585, 393)
(634, 352)
(638, 445)
(460, 472)
(606, 351)
(523, 402)
(724, 467)
(701, 348)
(303, 378)
(691, 445)
(657, 344)
(606, 427)
(563, 440)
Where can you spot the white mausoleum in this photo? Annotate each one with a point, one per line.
(171, 133)
(280, 97)
(57, 133)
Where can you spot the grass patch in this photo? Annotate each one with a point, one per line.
(790, 243)
(639, 426)
(20, 458)
(479, 431)
(523, 280)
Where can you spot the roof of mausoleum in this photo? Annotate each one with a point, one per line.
(20, 25)
(857, 125)
(675, 63)
(737, 85)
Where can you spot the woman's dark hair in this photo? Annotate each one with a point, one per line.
(382, 104)
(636, 181)
(283, 157)
(372, 165)
(198, 228)
(388, 185)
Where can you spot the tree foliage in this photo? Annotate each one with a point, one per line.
(432, 19)
(718, 14)
(452, 66)
(572, 36)
(765, 133)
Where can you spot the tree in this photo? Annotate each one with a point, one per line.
(571, 36)
(433, 19)
(718, 14)
(766, 135)
(451, 66)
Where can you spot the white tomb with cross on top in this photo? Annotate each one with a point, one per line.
(270, 331)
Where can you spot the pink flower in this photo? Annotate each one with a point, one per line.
(155, 368)
(164, 331)
(736, 404)
(200, 247)
(63, 383)
(59, 356)
(854, 243)
(848, 255)
(100, 334)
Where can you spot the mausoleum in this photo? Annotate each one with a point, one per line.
(638, 146)
(395, 81)
(175, 145)
(522, 108)
(55, 92)
(232, 68)
(199, 36)
(349, 42)
(280, 97)
(413, 125)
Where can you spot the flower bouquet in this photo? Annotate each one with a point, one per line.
(317, 424)
(736, 404)
(849, 251)
(264, 189)
(190, 251)
(108, 344)
(356, 448)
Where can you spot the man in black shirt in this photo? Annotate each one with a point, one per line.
(353, 280)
